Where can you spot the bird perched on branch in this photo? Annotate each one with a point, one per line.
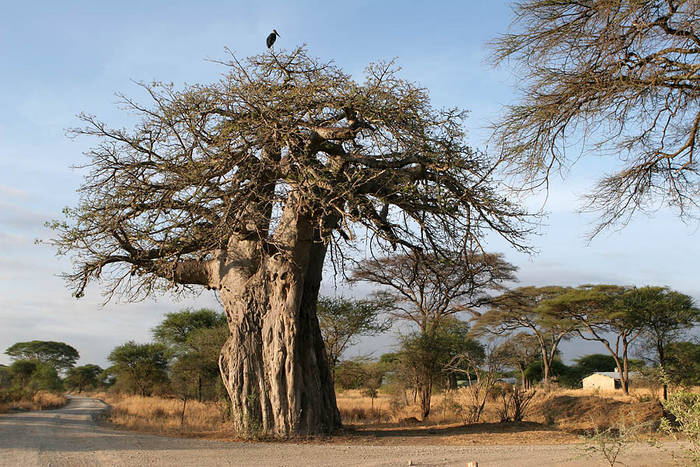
(272, 38)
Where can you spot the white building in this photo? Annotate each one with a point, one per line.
(604, 380)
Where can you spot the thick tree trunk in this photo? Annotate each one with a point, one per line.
(274, 365)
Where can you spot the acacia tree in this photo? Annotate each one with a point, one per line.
(605, 312)
(622, 77)
(343, 320)
(139, 367)
(195, 338)
(58, 355)
(518, 352)
(520, 310)
(426, 356)
(83, 377)
(427, 288)
(244, 185)
(177, 329)
(664, 315)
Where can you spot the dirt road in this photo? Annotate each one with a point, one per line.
(70, 437)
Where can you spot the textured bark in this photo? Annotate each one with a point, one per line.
(274, 365)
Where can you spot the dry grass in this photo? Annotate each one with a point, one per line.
(583, 411)
(554, 417)
(42, 400)
(573, 410)
(164, 414)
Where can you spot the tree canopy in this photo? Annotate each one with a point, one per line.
(343, 320)
(522, 309)
(603, 312)
(425, 288)
(619, 77)
(59, 355)
(178, 329)
(210, 166)
(84, 377)
(139, 367)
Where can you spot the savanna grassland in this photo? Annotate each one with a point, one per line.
(553, 417)
(41, 400)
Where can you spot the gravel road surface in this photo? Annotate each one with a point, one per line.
(71, 437)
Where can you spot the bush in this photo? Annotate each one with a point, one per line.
(611, 442)
(684, 408)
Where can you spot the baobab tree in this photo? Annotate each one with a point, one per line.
(244, 185)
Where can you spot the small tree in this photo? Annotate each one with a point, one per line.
(343, 320)
(352, 373)
(428, 289)
(482, 370)
(427, 356)
(515, 402)
(83, 377)
(518, 352)
(603, 311)
(664, 316)
(194, 339)
(139, 368)
(57, 354)
(519, 309)
(196, 372)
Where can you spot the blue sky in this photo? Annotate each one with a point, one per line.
(60, 58)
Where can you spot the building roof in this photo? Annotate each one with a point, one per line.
(612, 374)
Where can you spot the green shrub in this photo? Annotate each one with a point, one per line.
(684, 411)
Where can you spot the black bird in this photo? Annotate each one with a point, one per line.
(271, 38)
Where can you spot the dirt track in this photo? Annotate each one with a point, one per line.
(71, 437)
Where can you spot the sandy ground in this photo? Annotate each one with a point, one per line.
(71, 437)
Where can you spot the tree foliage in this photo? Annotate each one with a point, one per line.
(683, 363)
(666, 316)
(194, 338)
(589, 364)
(518, 352)
(520, 310)
(604, 313)
(343, 320)
(619, 76)
(84, 377)
(139, 368)
(425, 356)
(177, 329)
(34, 375)
(213, 164)
(426, 288)
(57, 354)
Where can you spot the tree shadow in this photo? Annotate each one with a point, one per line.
(451, 430)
